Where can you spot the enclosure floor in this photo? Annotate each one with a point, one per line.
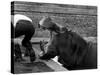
(27, 67)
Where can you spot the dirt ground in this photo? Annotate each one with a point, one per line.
(27, 67)
(31, 67)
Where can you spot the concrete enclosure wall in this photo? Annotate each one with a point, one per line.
(78, 18)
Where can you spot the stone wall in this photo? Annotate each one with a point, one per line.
(81, 19)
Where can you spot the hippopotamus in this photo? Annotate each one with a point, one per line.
(73, 51)
(22, 25)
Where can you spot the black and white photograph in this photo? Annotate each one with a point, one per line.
(51, 37)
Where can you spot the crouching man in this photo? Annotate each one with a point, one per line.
(73, 51)
(22, 25)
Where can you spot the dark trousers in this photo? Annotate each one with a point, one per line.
(25, 28)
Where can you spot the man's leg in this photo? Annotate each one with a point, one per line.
(17, 51)
(15, 47)
(26, 43)
(26, 28)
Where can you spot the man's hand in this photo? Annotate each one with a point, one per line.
(42, 46)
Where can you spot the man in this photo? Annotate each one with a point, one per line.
(72, 50)
(22, 25)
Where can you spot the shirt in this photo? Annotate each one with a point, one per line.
(17, 17)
